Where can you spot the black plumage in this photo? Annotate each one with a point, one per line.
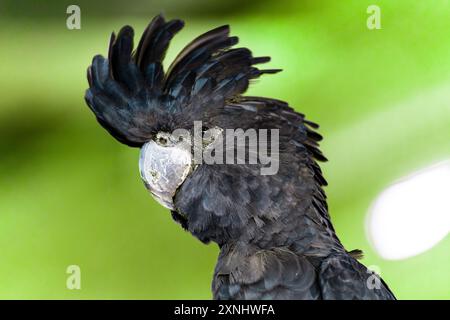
(274, 232)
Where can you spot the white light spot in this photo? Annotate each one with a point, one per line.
(413, 215)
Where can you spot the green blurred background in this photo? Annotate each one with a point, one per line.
(70, 194)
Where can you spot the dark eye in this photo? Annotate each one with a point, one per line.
(162, 140)
(180, 138)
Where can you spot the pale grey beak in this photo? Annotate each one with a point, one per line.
(164, 167)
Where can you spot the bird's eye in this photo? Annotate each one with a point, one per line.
(180, 138)
(162, 141)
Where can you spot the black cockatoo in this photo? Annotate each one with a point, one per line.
(274, 232)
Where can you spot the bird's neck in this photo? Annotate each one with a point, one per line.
(303, 232)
